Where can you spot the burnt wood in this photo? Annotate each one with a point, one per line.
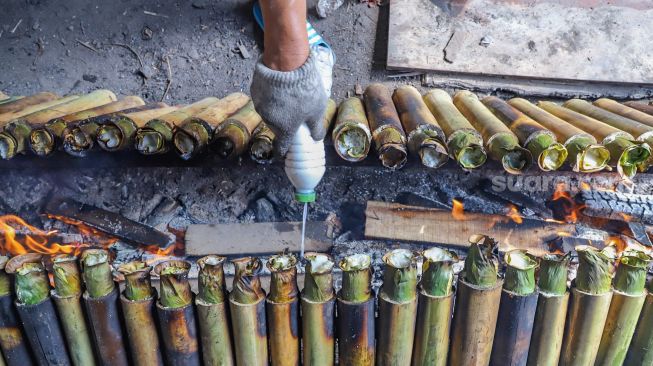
(614, 205)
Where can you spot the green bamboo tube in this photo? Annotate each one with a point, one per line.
(434, 308)
(67, 296)
(642, 107)
(231, 138)
(585, 154)
(351, 134)
(541, 142)
(641, 347)
(217, 348)
(33, 108)
(464, 143)
(156, 135)
(425, 136)
(247, 306)
(137, 302)
(318, 311)
(282, 311)
(625, 153)
(627, 302)
(262, 146)
(625, 110)
(590, 303)
(119, 131)
(193, 135)
(552, 303)
(12, 99)
(387, 133)
(14, 104)
(477, 304)
(501, 144)
(13, 342)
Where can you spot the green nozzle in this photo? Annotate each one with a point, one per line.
(305, 197)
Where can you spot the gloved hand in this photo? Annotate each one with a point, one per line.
(285, 100)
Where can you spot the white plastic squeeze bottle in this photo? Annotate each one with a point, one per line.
(305, 164)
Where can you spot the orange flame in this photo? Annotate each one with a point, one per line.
(514, 214)
(571, 209)
(458, 210)
(35, 239)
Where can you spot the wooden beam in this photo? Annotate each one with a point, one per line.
(256, 238)
(410, 223)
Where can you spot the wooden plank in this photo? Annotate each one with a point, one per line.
(256, 238)
(394, 221)
(597, 41)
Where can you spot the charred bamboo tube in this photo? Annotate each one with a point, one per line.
(625, 110)
(318, 311)
(12, 337)
(642, 107)
(477, 304)
(193, 135)
(588, 311)
(397, 308)
(387, 132)
(262, 146)
(501, 144)
(43, 140)
(217, 348)
(552, 302)
(425, 136)
(351, 133)
(355, 304)
(625, 153)
(627, 301)
(282, 311)
(247, 306)
(137, 304)
(102, 308)
(231, 137)
(67, 296)
(542, 143)
(516, 312)
(10, 106)
(33, 108)
(36, 310)
(465, 144)
(79, 138)
(434, 308)
(119, 131)
(584, 153)
(155, 137)
(176, 314)
(641, 348)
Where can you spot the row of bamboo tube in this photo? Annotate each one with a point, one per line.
(434, 127)
(486, 319)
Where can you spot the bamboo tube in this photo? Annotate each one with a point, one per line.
(282, 311)
(541, 142)
(387, 132)
(102, 308)
(33, 108)
(67, 296)
(625, 153)
(585, 154)
(192, 136)
(642, 107)
(156, 135)
(351, 134)
(119, 131)
(262, 146)
(501, 144)
(36, 310)
(9, 100)
(588, 311)
(425, 136)
(465, 144)
(137, 303)
(355, 307)
(12, 336)
(641, 347)
(318, 311)
(477, 304)
(79, 138)
(231, 138)
(247, 306)
(516, 311)
(397, 308)
(44, 139)
(176, 314)
(10, 106)
(626, 305)
(625, 110)
(217, 347)
(552, 303)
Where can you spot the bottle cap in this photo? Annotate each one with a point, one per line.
(305, 197)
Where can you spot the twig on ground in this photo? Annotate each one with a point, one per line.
(169, 81)
(88, 45)
(133, 51)
(154, 14)
(16, 26)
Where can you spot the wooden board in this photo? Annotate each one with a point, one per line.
(400, 222)
(256, 238)
(590, 40)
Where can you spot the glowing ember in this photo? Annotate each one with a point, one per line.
(514, 214)
(566, 205)
(458, 210)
